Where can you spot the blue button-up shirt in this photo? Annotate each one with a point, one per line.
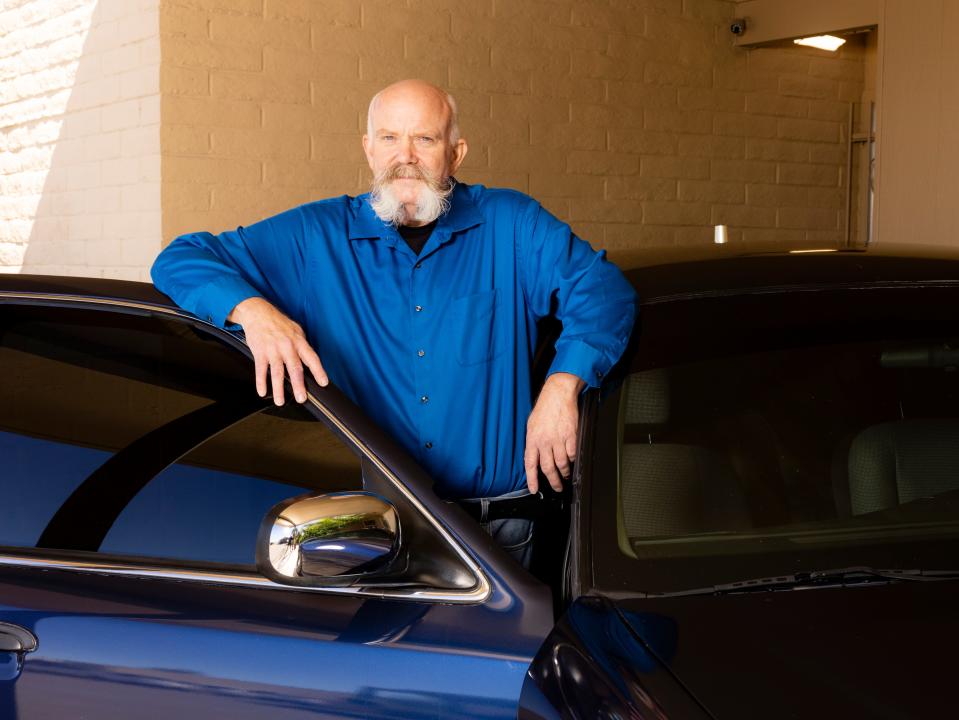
(436, 348)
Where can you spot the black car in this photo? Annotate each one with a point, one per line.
(767, 524)
(761, 523)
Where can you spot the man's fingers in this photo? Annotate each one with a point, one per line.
(279, 348)
(276, 377)
(549, 470)
(312, 361)
(562, 460)
(294, 369)
(551, 427)
(531, 461)
(261, 365)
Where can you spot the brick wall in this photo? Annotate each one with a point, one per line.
(79, 137)
(636, 120)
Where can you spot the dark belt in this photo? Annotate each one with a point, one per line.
(530, 507)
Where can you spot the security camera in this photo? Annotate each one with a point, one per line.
(738, 26)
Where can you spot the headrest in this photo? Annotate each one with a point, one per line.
(647, 398)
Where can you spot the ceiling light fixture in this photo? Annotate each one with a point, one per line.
(823, 42)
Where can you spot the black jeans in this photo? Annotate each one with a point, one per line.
(514, 535)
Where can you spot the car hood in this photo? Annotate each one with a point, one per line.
(879, 651)
(864, 651)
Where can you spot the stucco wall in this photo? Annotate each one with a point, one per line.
(79, 136)
(636, 120)
(918, 105)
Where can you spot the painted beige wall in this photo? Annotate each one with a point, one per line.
(861, 221)
(778, 19)
(79, 137)
(918, 194)
(636, 120)
(914, 64)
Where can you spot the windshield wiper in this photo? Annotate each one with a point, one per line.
(855, 575)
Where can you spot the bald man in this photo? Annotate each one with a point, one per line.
(420, 301)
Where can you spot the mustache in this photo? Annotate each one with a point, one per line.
(406, 171)
(433, 199)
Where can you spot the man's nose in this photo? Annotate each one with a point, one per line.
(405, 151)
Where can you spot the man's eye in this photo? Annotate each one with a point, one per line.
(426, 140)
(387, 138)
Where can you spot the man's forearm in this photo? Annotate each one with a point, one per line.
(198, 279)
(565, 383)
(245, 308)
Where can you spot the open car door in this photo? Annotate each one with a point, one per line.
(597, 663)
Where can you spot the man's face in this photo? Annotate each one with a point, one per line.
(411, 137)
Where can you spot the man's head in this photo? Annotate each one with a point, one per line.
(413, 146)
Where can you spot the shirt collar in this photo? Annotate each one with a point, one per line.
(462, 214)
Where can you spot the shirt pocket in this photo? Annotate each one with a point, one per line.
(476, 336)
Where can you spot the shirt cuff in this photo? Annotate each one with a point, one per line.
(586, 362)
(213, 302)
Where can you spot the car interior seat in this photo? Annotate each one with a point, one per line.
(669, 488)
(896, 462)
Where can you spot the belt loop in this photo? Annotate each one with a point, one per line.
(484, 510)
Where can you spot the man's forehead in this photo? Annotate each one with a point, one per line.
(421, 106)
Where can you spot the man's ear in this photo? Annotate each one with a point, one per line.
(368, 150)
(458, 155)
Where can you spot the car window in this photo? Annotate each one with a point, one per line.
(142, 436)
(208, 506)
(829, 445)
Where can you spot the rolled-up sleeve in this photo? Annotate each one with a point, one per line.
(590, 296)
(209, 275)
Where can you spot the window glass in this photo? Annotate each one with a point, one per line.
(38, 474)
(138, 435)
(209, 505)
(747, 455)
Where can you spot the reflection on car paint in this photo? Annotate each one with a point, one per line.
(594, 665)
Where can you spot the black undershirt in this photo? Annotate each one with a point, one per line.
(416, 237)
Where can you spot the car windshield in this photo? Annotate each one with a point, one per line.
(821, 432)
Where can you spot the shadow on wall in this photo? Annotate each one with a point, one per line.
(98, 213)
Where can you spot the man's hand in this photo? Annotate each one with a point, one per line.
(551, 431)
(277, 343)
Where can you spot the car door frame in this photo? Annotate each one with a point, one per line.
(500, 582)
(354, 428)
(506, 600)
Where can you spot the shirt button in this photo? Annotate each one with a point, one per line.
(419, 265)
(424, 399)
(421, 353)
(428, 445)
(418, 308)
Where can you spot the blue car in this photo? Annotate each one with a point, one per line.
(764, 520)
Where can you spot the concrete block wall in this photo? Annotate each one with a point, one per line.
(79, 137)
(636, 120)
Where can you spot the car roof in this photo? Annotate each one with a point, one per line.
(659, 273)
(656, 273)
(100, 288)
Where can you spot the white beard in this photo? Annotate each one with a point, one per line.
(431, 201)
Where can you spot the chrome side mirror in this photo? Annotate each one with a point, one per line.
(333, 539)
